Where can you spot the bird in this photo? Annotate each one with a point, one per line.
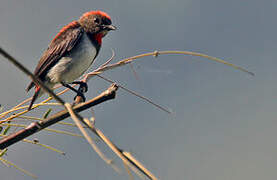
(71, 52)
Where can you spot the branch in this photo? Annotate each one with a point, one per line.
(123, 62)
(127, 159)
(38, 126)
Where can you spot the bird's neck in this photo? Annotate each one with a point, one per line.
(95, 39)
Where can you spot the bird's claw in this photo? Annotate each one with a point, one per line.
(83, 86)
(80, 94)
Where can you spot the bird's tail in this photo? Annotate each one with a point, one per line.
(32, 84)
(35, 96)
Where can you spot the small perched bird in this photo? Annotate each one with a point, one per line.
(71, 52)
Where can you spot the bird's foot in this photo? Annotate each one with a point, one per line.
(80, 94)
(80, 97)
(83, 86)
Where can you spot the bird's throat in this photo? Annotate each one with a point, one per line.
(98, 38)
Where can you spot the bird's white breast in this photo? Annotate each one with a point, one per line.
(72, 66)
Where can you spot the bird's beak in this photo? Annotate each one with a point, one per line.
(110, 27)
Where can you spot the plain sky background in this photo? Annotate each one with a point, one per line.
(224, 123)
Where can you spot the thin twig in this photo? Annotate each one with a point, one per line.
(42, 145)
(34, 106)
(47, 129)
(136, 94)
(155, 54)
(18, 168)
(31, 118)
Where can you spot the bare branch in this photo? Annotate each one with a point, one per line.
(138, 169)
(88, 138)
(155, 54)
(38, 126)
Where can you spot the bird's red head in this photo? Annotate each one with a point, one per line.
(96, 22)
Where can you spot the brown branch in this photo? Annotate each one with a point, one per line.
(127, 159)
(156, 54)
(37, 126)
(135, 166)
(76, 118)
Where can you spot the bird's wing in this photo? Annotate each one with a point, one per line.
(65, 40)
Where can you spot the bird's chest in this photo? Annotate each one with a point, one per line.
(72, 66)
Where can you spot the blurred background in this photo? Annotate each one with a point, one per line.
(224, 121)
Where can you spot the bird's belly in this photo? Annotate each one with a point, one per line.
(71, 67)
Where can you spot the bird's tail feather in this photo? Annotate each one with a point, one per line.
(35, 96)
(32, 84)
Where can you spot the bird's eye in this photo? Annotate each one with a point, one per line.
(96, 20)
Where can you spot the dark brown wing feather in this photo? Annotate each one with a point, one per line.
(65, 40)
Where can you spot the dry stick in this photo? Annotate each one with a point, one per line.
(18, 168)
(75, 118)
(132, 164)
(156, 53)
(23, 112)
(31, 118)
(24, 107)
(3, 162)
(119, 153)
(37, 126)
(39, 144)
(138, 164)
(136, 94)
(34, 106)
(46, 129)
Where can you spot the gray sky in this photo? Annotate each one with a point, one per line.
(224, 125)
